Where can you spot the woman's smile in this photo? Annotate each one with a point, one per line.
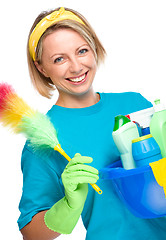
(78, 80)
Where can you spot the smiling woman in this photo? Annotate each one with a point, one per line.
(70, 63)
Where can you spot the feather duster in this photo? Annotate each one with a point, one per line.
(37, 127)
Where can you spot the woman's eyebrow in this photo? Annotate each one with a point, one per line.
(61, 54)
(85, 44)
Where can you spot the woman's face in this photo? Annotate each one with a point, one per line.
(69, 61)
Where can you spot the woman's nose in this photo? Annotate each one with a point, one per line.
(75, 65)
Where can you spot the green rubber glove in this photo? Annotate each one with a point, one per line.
(63, 216)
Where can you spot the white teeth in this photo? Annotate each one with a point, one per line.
(79, 79)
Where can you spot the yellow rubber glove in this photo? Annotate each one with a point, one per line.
(159, 171)
(63, 216)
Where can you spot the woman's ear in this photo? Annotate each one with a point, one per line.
(41, 69)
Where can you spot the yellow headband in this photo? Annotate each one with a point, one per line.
(45, 23)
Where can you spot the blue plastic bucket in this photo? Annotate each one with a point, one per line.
(138, 189)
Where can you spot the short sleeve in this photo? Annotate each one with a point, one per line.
(139, 102)
(42, 186)
(132, 102)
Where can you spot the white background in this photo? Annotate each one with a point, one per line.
(134, 35)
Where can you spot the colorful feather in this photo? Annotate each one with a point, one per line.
(5, 91)
(38, 129)
(12, 107)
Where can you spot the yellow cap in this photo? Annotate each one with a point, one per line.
(45, 23)
(142, 138)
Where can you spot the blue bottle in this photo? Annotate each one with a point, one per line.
(145, 150)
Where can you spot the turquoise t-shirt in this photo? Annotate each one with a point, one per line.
(87, 131)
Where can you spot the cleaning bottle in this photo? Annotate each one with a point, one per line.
(123, 134)
(158, 126)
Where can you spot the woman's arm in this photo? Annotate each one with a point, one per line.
(37, 230)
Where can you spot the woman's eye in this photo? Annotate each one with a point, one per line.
(82, 51)
(58, 60)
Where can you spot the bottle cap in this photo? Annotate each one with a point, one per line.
(120, 120)
(158, 106)
(157, 101)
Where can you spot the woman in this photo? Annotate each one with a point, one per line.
(64, 53)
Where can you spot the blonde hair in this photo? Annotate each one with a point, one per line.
(43, 84)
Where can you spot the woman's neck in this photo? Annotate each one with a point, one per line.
(78, 101)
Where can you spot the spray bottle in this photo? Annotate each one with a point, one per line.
(143, 118)
(123, 134)
(158, 126)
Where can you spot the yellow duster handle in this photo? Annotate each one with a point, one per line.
(62, 152)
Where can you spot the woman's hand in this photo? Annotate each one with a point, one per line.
(76, 177)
